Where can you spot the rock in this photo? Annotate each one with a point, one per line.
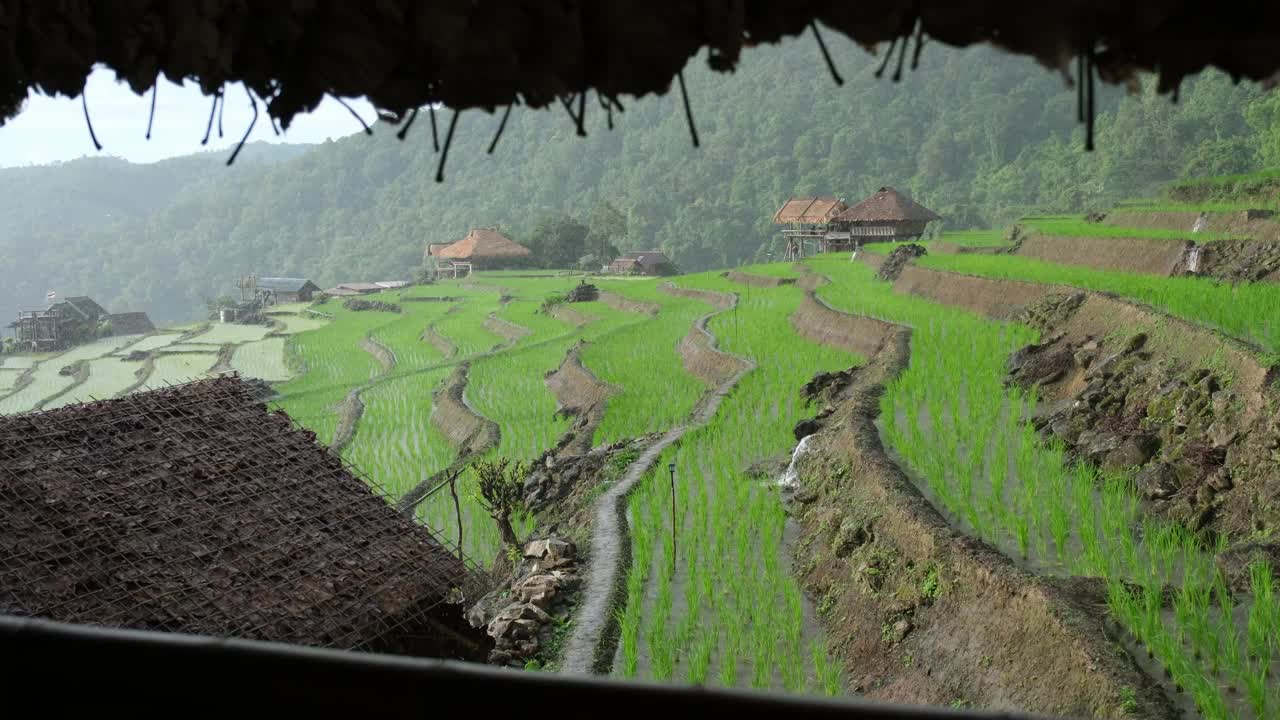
(849, 537)
(1157, 481)
(805, 497)
(1097, 445)
(1135, 343)
(1133, 450)
(1221, 480)
(1222, 433)
(900, 630)
(1235, 562)
(805, 428)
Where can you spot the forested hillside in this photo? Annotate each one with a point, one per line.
(980, 137)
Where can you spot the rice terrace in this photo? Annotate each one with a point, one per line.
(1003, 439)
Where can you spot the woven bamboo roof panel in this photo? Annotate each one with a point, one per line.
(195, 509)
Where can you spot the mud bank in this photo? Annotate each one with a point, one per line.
(466, 429)
(1098, 316)
(626, 304)
(918, 613)
(380, 352)
(439, 342)
(570, 316)
(349, 412)
(702, 359)
(1001, 299)
(1124, 385)
(579, 393)
(719, 300)
(1137, 255)
(509, 331)
(821, 323)
(1255, 224)
(1241, 260)
(1193, 414)
(767, 281)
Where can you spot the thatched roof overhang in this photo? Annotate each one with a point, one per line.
(406, 54)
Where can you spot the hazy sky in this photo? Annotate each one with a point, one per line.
(53, 129)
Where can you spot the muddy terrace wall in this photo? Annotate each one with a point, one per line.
(1243, 223)
(702, 359)
(1239, 426)
(1139, 255)
(1100, 316)
(465, 429)
(768, 281)
(717, 300)
(625, 304)
(919, 613)
(858, 334)
(580, 393)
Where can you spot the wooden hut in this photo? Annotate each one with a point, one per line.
(886, 216)
(807, 221)
(645, 262)
(483, 248)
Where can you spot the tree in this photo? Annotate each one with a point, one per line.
(501, 485)
(558, 242)
(606, 230)
(1264, 118)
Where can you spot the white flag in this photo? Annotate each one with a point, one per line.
(50, 296)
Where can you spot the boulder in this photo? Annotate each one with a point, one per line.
(1133, 450)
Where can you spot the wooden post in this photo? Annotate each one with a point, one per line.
(671, 467)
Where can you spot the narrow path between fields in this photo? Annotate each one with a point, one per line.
(590, 646)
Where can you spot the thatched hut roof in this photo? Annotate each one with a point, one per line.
(405, 54)
(483, 243)
(196, 509)
(888, 205)
(808, 210)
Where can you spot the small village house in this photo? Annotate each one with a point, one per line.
(644, 262)
(481, 249)
(824, 224)
(806, 221)
(886, 216)
(262, 291)
(71, 321)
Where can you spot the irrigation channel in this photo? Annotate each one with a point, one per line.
(592, 644)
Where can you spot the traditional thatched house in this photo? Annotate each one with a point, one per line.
(807, 221)
(888, 215)
(645, 262)
(483, 248)
(196, 509)
(808, 211)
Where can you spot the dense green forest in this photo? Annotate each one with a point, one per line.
(980, 137)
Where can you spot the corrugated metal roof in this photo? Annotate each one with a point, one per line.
(362, 286)
(283, 284)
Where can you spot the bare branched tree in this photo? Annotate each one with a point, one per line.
(501, 485)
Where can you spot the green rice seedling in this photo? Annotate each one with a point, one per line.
(263, 359)
(1243, 310)
(220, 334)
